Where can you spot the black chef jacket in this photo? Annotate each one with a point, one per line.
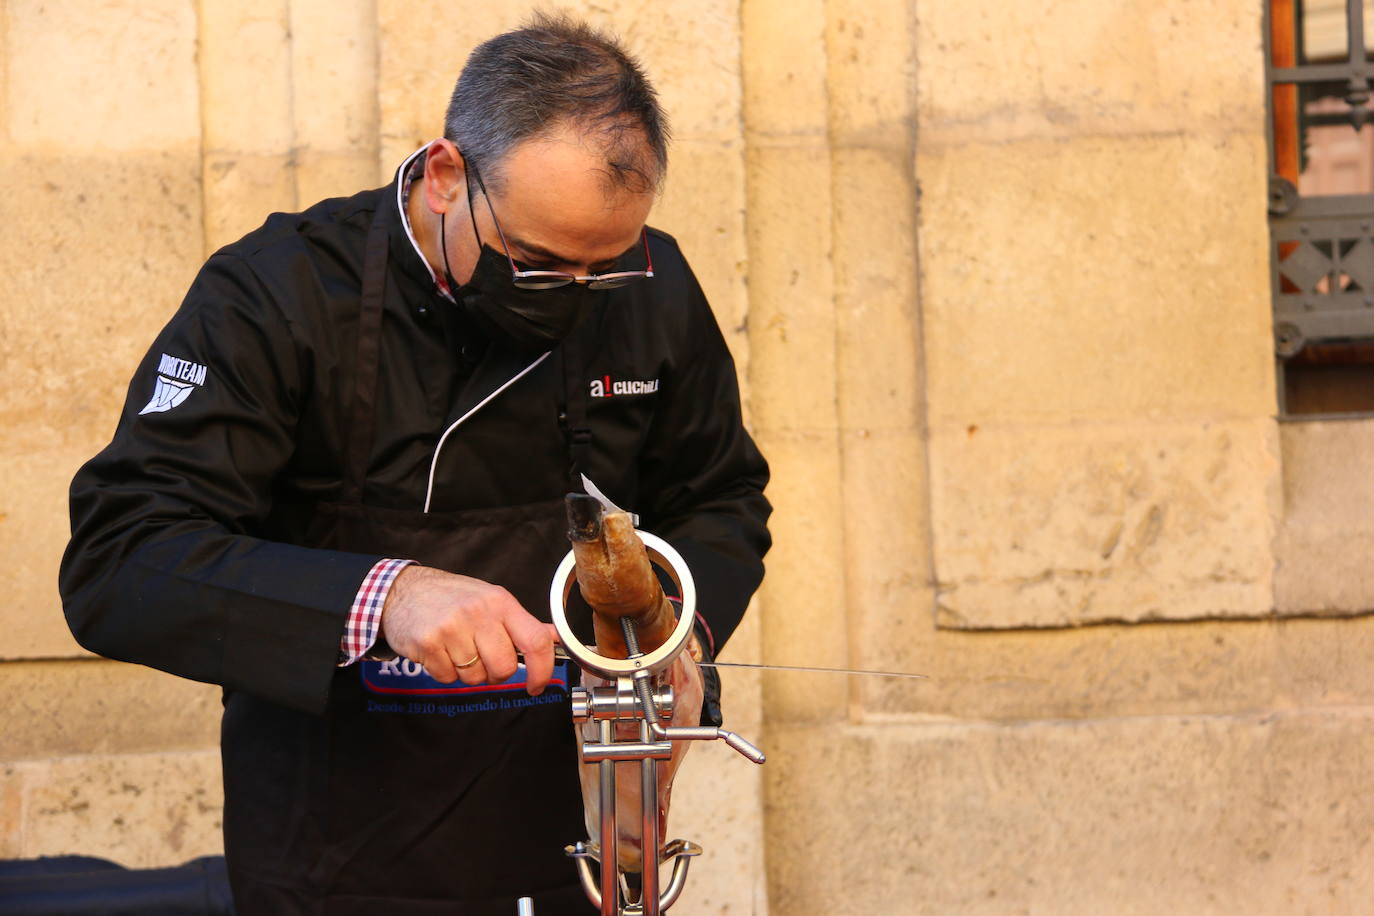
(222, 536)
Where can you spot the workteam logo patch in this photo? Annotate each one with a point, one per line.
(607, 387)
(401, 686)
(176, 379)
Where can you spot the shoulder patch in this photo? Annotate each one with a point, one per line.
(176, 379)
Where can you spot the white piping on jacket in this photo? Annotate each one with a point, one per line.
(434, 462)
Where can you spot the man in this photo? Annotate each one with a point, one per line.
(353, 439)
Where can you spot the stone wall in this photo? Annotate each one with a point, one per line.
(1033, 454)
(995, 278)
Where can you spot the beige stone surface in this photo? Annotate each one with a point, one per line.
(1108, 671)
(70, 708)
(783, 71)
(1065, 525)
(33, 533)
(999, 71)
(871, 73)
(245, 78)
(879, 352)
(1247, 814)
(702, 206)
(140, 810)
(89, 270)
(792, 350)
(1090, 672)
(83, 74)
(1322, 555)
(334, 74)
(803, 594)
(1097, 278)
(11, 812)
(321, 175)
(691, 51)
(241, 189)
(718, 795)
(792, 335)
(334, 98)
(890, 608)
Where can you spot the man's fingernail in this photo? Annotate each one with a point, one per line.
(535, 692)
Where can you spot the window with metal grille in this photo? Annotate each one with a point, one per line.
(1321, 204)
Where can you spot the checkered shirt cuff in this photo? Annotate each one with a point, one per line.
(365, 616)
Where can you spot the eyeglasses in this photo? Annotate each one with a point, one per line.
(552, 279)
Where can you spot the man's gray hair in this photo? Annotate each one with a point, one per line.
(556, 71)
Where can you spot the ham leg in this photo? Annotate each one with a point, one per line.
(617, 580)
(685, 678)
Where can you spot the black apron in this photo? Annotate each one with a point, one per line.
(409, 796)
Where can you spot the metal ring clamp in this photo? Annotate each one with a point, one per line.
(663, 555)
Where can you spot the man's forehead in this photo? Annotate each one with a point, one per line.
(557, 193)
(567, 165)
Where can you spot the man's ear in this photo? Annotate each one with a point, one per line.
(445, 174)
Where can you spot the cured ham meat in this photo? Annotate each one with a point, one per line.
(685, 678)
(618, 581)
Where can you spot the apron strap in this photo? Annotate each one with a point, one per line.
(363, 410)
(576, 431)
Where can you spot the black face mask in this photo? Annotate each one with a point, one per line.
(526, 320)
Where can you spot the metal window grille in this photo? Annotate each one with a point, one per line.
(1321, 247)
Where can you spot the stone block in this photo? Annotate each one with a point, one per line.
(887, 553)
(125, 248)
(784, 74)
(11, 812)
(321, 174)
(241, 189)
(718, 797)
(246, 79)
(878, 376)
(1254, 814)
(995, 72)
(127, 82)
(1201, 668)
(871, 73)
(1096, 277)
(791, 287)
(1323, 662)
(717, 802)
(334, 79)
(1099, 671)
(1327, 534)
(33, 533)
(70, 708)
(1067, 525)
(691, 53)
(417, 67)
(140, 810)
(803, 596)
(703, 208)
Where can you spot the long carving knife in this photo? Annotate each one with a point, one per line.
(558, 652)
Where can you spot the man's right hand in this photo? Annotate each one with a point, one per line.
(441, 621)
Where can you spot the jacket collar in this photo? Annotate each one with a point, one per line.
(419, 278)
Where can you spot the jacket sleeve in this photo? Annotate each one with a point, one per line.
(163, 567)
(703, 475)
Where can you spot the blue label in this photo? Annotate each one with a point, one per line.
(401, 686)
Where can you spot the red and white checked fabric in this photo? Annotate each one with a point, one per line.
(366, 614)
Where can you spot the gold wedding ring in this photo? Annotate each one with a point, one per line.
(470, 662)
